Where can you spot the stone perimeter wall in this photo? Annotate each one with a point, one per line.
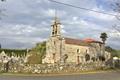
(54, 68)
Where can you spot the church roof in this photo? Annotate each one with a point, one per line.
(85, 42)
(72, 41)
(90, 40)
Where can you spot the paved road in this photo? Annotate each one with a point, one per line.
(97, 76)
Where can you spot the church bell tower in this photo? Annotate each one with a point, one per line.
(56, 28)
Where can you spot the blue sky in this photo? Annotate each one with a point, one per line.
(27, 22)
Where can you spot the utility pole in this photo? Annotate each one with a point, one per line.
(0, 46)
(1, 10)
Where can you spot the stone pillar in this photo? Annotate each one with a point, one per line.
(54, 57)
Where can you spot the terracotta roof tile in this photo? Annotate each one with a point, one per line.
(85, 42)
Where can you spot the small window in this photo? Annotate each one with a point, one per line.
(52, 33)
(54, 42)
(77, 50)
(53, 55)
(55, 32)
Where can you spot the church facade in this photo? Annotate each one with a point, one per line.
(60, 49)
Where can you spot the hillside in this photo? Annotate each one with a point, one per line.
(118, 51)
(113, 52)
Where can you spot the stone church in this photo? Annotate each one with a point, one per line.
(61, 49)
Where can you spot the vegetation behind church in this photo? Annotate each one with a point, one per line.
(114, 52)
(15, 52)
(37, 53)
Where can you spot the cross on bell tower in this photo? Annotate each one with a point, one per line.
(56, 26)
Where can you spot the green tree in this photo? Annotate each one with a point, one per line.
(104, 37)
(37, 53)
(34, 58)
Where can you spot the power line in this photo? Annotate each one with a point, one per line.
(81, 8)
(115, 27)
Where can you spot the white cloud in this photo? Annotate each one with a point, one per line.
(75, 18)
(63, 31)
(62, 26)
(22, 31)
(38, 1)
(114, 34)
(101, 16)
(50, 12)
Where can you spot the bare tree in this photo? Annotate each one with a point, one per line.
(116, 8)
(117, 28)
(2, 0)
(1, 10)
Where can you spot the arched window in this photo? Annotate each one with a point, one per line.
(52, 33)
(65, 57)
(78, 59)
(101, 58)
(93, 59)
(87, 57)
(55, 32)
(53, 55)
(86, 51)
(54, 42)
(77, 50)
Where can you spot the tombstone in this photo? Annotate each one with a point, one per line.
(3, 54)
(5, 60)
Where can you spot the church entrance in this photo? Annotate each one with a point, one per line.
(87, 57)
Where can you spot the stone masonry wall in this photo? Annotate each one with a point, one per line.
(54, 68)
